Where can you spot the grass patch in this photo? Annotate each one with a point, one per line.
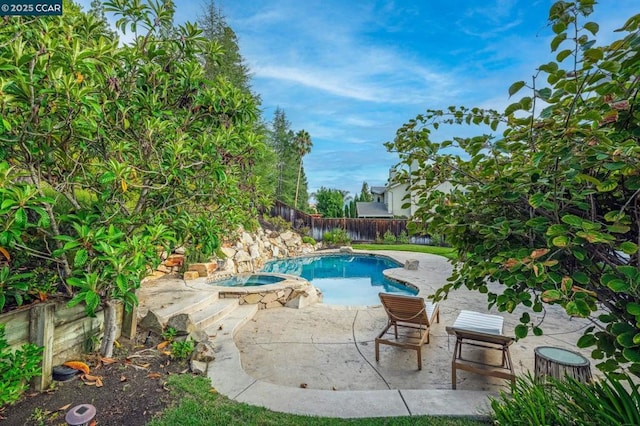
(447, 252)
(196, 405)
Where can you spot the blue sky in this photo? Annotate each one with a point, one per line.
(352, 72)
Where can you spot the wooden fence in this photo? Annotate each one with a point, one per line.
(358, 229)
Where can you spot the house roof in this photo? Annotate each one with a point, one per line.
(370, 209)
(378, 189)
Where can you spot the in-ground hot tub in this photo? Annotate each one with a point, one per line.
(268, 290)
(249, 280)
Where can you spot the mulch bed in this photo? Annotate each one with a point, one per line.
(133, 389)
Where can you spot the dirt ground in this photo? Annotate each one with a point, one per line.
(133, 389)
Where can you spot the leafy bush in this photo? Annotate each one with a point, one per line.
(169, 334)
(182, 349)
(13, 287)
(336, 236)
(277, 223)
(403, 238)
(17, 368)
(568, 402)
(388, 237)
(308, 240)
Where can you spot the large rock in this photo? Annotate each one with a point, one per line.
(182, 324)
(199, 336)
(203, 352)
(228, 252)
(247, 239)
(151, 322)
(242, 256)
(411, 264)
(198, 367)
(254, 251)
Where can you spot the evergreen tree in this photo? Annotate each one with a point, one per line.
(281, 139)
(365, 193)
(228, 63)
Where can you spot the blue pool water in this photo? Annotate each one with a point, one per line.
(248, 280)
(343, 279)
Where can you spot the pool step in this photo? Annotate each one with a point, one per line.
(185, 304)
(226, 327)
(215, 311)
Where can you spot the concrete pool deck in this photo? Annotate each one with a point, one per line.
(320, 360)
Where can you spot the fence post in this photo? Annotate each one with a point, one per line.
(41, 328)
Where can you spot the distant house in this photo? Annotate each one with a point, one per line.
(388, 201)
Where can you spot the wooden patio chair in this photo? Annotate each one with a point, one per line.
(484, 331)
(411, 313)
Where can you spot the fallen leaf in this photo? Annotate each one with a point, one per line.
(99, 383)
(162, 345)
(213, 390)
(78, 365)
(90, 378)
(303, 385)
(108, 361)
(64, 407)
(168, 353)
(123, 379)
(154, 375)
(90, 383)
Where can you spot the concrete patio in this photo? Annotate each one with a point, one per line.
(320, 360)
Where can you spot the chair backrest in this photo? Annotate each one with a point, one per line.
(497, 339)
(407, 309)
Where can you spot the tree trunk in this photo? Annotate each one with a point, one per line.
(295, 202)
(106, 348)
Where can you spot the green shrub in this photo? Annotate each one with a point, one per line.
(403, 238)
(378, 239)
(183, 349)
(17, 368)
(308, 240)
(336, 236)
(277, 222)
(389, 238)
(13, 287)
(568, 402)
(169, 334)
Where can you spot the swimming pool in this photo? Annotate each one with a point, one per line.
(344, 279)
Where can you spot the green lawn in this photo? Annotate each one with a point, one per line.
(447, 252)
(197, 404)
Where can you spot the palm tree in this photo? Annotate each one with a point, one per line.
(303, 145)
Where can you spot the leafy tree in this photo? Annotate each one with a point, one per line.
(303, 146)
(329, 202)
(109, 152)
(550, 209)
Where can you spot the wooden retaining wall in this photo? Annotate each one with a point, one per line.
(64, 333)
